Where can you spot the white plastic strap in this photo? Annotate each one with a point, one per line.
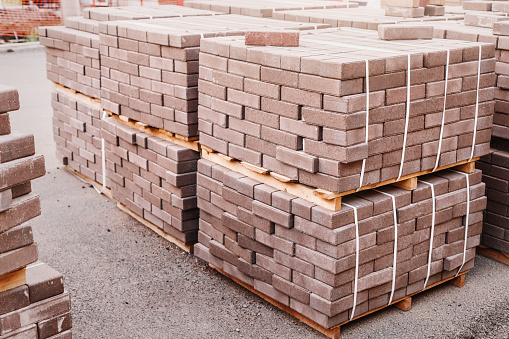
(443, 113)
(395, 257)
(466, 221)
(357, 250)
(407, 118)
(363, 169)
(433, 215)
(476, 104)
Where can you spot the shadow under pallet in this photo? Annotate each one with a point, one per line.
(404, 304)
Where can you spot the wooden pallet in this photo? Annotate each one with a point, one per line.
(188, 142)
(85, 99)
(320, 197)
(493, 254)
(107, 192)
(404, 303)
(186, 247)
(13, 280)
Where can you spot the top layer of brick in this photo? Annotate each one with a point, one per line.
(187, 32)
(91, 18)
(145, 12)
(365, 18)
(264, 8)
(9, 99)
(288, 95)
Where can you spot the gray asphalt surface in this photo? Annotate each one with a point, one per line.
(126, 282)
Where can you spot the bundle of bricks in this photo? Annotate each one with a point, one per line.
(304, 256)
(77, 132)
(72, 58)
(365, 18)
(150, 68)
(33, 303)
(301, 112)
(495, 168)
(154, 178)
(74, 66)
(264, 8)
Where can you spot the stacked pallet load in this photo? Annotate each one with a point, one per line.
(33, 303)
(149, 87)
(74, 66)
(264, 8)
(138, 13)
(485, 13)
(365, 18)
(493, 165)
(302, 114)
(154, 179)
(150, 68)
(495, 168)
(297, 121)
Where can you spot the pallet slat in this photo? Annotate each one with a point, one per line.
(320, 197)
(191, 142)
(85, 99)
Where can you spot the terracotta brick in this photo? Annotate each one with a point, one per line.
(43, 282)
(9, 99)
(272, 38)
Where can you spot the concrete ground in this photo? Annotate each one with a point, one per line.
(126, 282)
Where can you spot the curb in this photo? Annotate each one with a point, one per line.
(20, 47)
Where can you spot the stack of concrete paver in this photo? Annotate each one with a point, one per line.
(73, 50)
(304, 256)
(495, 168)
(150, 67)
(264, 8)
(72, 59)
(33, 303)
(302, 112)
(138, 13)
(150, 75)
(365, 18)
(73, 63)
(77, 133)
(155, 179)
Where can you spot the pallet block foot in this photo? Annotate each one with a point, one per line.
(469, 167)
(409, 184)
(334, 333)
(405, 304)
(459, 281)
